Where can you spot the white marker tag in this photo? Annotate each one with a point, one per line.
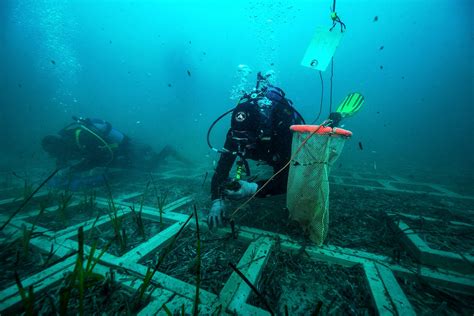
(322, 48)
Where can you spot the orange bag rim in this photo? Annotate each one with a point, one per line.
(321, 130)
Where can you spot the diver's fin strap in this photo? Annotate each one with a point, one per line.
(351, 104)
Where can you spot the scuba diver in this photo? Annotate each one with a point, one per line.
(89, 143)
(260, 130)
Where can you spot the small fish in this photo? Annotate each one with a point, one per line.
(381, 67)
(19, 85)
(169, 85)
(381, 47)
(272, 64)
(110, 42)
(189, 42)
(53, 62)
(360, 146)
(403, 77)
(378, 112)
(204, 53)
(376, 18)
(189, 72)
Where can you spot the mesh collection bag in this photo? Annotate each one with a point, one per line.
(314, 150)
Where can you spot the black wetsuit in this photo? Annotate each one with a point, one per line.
(270, 141)
(87, 141)
(95, 144)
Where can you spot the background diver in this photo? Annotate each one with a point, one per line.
(260, 130)
(89, 143)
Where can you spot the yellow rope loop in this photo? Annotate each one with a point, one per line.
(106, 145)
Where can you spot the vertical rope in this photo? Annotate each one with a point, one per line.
(330, 94)
(332, 66)
(322, 98)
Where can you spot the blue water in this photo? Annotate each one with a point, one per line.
(162, 71)
(127, 62)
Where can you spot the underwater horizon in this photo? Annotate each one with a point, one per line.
(141, 84)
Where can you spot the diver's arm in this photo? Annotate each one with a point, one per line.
(83, 165)
(226, 161)
(91, 159)
(61, 162)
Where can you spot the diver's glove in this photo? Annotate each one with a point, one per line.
(217, 212)
(247, 189)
